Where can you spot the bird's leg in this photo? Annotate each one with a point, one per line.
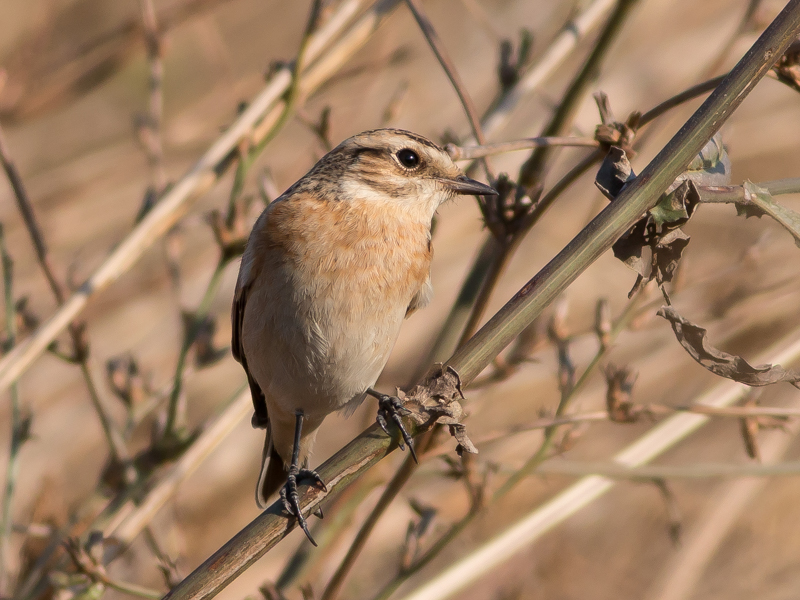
(289, 495)
(391, 407)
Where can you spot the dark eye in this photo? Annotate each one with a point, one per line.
(408, 158)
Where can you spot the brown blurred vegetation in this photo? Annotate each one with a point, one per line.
(72, 102)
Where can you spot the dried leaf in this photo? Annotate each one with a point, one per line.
(759, 202)
(438, 402)
(654, 245)
(693, 338)
(651, 255)
(614, 173)
(676, 207)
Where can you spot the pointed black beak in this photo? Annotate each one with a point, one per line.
(464, 185)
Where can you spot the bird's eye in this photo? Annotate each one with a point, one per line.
(408, 158)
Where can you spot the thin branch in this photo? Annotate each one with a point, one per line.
(557, 52)
(265, 108)
(174, 422)
(473, 152)
(689, 94)
(80, 352)
(447, 64)
(725, 506)
(26, 210)
(532, 171)
(400, 478)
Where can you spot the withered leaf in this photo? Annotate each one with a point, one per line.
(650, 254)
(438, 402)
(614, 172)
(676, 207)
(653, 246)
(694, 340)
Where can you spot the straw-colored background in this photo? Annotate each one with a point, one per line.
(87, 174)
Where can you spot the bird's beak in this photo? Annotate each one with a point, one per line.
(464, 185)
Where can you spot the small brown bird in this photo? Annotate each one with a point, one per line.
(331, 269)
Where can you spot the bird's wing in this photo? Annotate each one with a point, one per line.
(421, 298)
(247, 273)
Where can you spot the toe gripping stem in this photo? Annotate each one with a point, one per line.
(390, 408)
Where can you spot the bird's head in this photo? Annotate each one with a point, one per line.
(396, 167)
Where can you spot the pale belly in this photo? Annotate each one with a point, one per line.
(316, 346)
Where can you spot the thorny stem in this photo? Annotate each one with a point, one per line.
(729, 194)
(17, 435)
(444, 59)
(116, 444)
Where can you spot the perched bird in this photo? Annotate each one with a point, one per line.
(331, 269)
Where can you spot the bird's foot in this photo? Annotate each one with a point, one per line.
(391, 408)
(291, 498)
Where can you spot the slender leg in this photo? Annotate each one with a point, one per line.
(391, 407)
(289, 495)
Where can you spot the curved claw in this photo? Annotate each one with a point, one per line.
(291, 498)
(391, 407)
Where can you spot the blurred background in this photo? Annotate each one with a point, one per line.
(74, 104)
